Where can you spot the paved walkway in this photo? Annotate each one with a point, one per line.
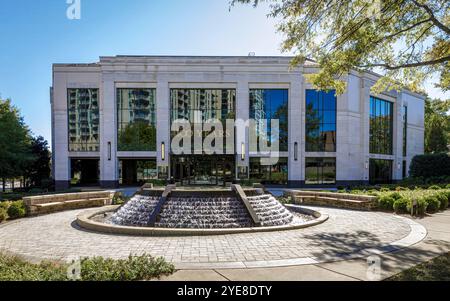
(436, 243)
(346, 235)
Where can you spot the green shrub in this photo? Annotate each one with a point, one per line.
(384, 189)
(421, 206)
(443, 199)
(401, 205)
(3, 215)
(17, 210)
(395, 196)
(15, 269)
(386, 203)
(435, 187)
(430, 165)
(401, 188)
(433, 204)
(5, 205)
(134, 268)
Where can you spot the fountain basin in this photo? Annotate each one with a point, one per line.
(92, 221)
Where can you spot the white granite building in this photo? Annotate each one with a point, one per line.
(111, 123)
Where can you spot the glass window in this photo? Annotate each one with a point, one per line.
(381, 126)
(268, 104)
(136, 119)
(275, 174)
(320, 171)
(83, 119)
(200, 105)
(380, 171)
(320, 121)
(132, 172)
(405, 131)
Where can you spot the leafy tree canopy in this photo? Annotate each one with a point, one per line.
(437, 125)
(405, 40)
(15, 142)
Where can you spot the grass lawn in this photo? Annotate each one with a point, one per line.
(437, 269)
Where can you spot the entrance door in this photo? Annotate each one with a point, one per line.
(203, 170)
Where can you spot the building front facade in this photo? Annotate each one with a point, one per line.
(112, 123)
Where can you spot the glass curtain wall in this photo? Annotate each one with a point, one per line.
(320, 171)
(200, 105)
(320, 121)
(84, 119)
(380, 171)
(274, 174)
(136, 116)
(268, 104)
(381, 126)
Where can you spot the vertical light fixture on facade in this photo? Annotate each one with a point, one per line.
(243, 151)
(109, 151)
(296, 151)
(163, 151)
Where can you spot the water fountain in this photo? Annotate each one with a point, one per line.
(188, 211)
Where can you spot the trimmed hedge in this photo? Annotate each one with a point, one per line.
(433, 203)
(3, 215)
(17, 210)
(401, 206)
(430, 165)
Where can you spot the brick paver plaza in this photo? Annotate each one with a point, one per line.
(347, 234)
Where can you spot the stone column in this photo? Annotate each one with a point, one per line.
(296, 130)
(242, 113)
(109, 177)
(60, 147)
(163, 124)
(398, 138)
(365, 125)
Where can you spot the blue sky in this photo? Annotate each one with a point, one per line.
(36, 34)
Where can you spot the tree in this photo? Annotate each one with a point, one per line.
(405, 40)
(39, 169)
(15, 143)
(437, 126)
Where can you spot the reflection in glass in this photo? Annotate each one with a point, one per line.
(200, 105)
(132, 172)
(136, 119)
(84, 119)
(320, 171)
(381, 126)
(380, 171)
(268, 104)
(320, 121)
(274, 174)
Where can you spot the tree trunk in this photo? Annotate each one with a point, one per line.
(12, 185)
(4, 184)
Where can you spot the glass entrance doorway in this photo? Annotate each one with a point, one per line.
(203, 170)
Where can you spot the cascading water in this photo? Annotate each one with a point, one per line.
(270, 211)
(182, 211)
(136, 212)
(204, 213)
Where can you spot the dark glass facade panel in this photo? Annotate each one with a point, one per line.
(405, 131)
(200, 105)
(320, 121)
(136, 119)
(320, 171)
(381, 126)
(268, 104)
(270, 174)
(132, 172)
(380, 171)
(83, 120)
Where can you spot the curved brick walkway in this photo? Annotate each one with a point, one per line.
(347, 234)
